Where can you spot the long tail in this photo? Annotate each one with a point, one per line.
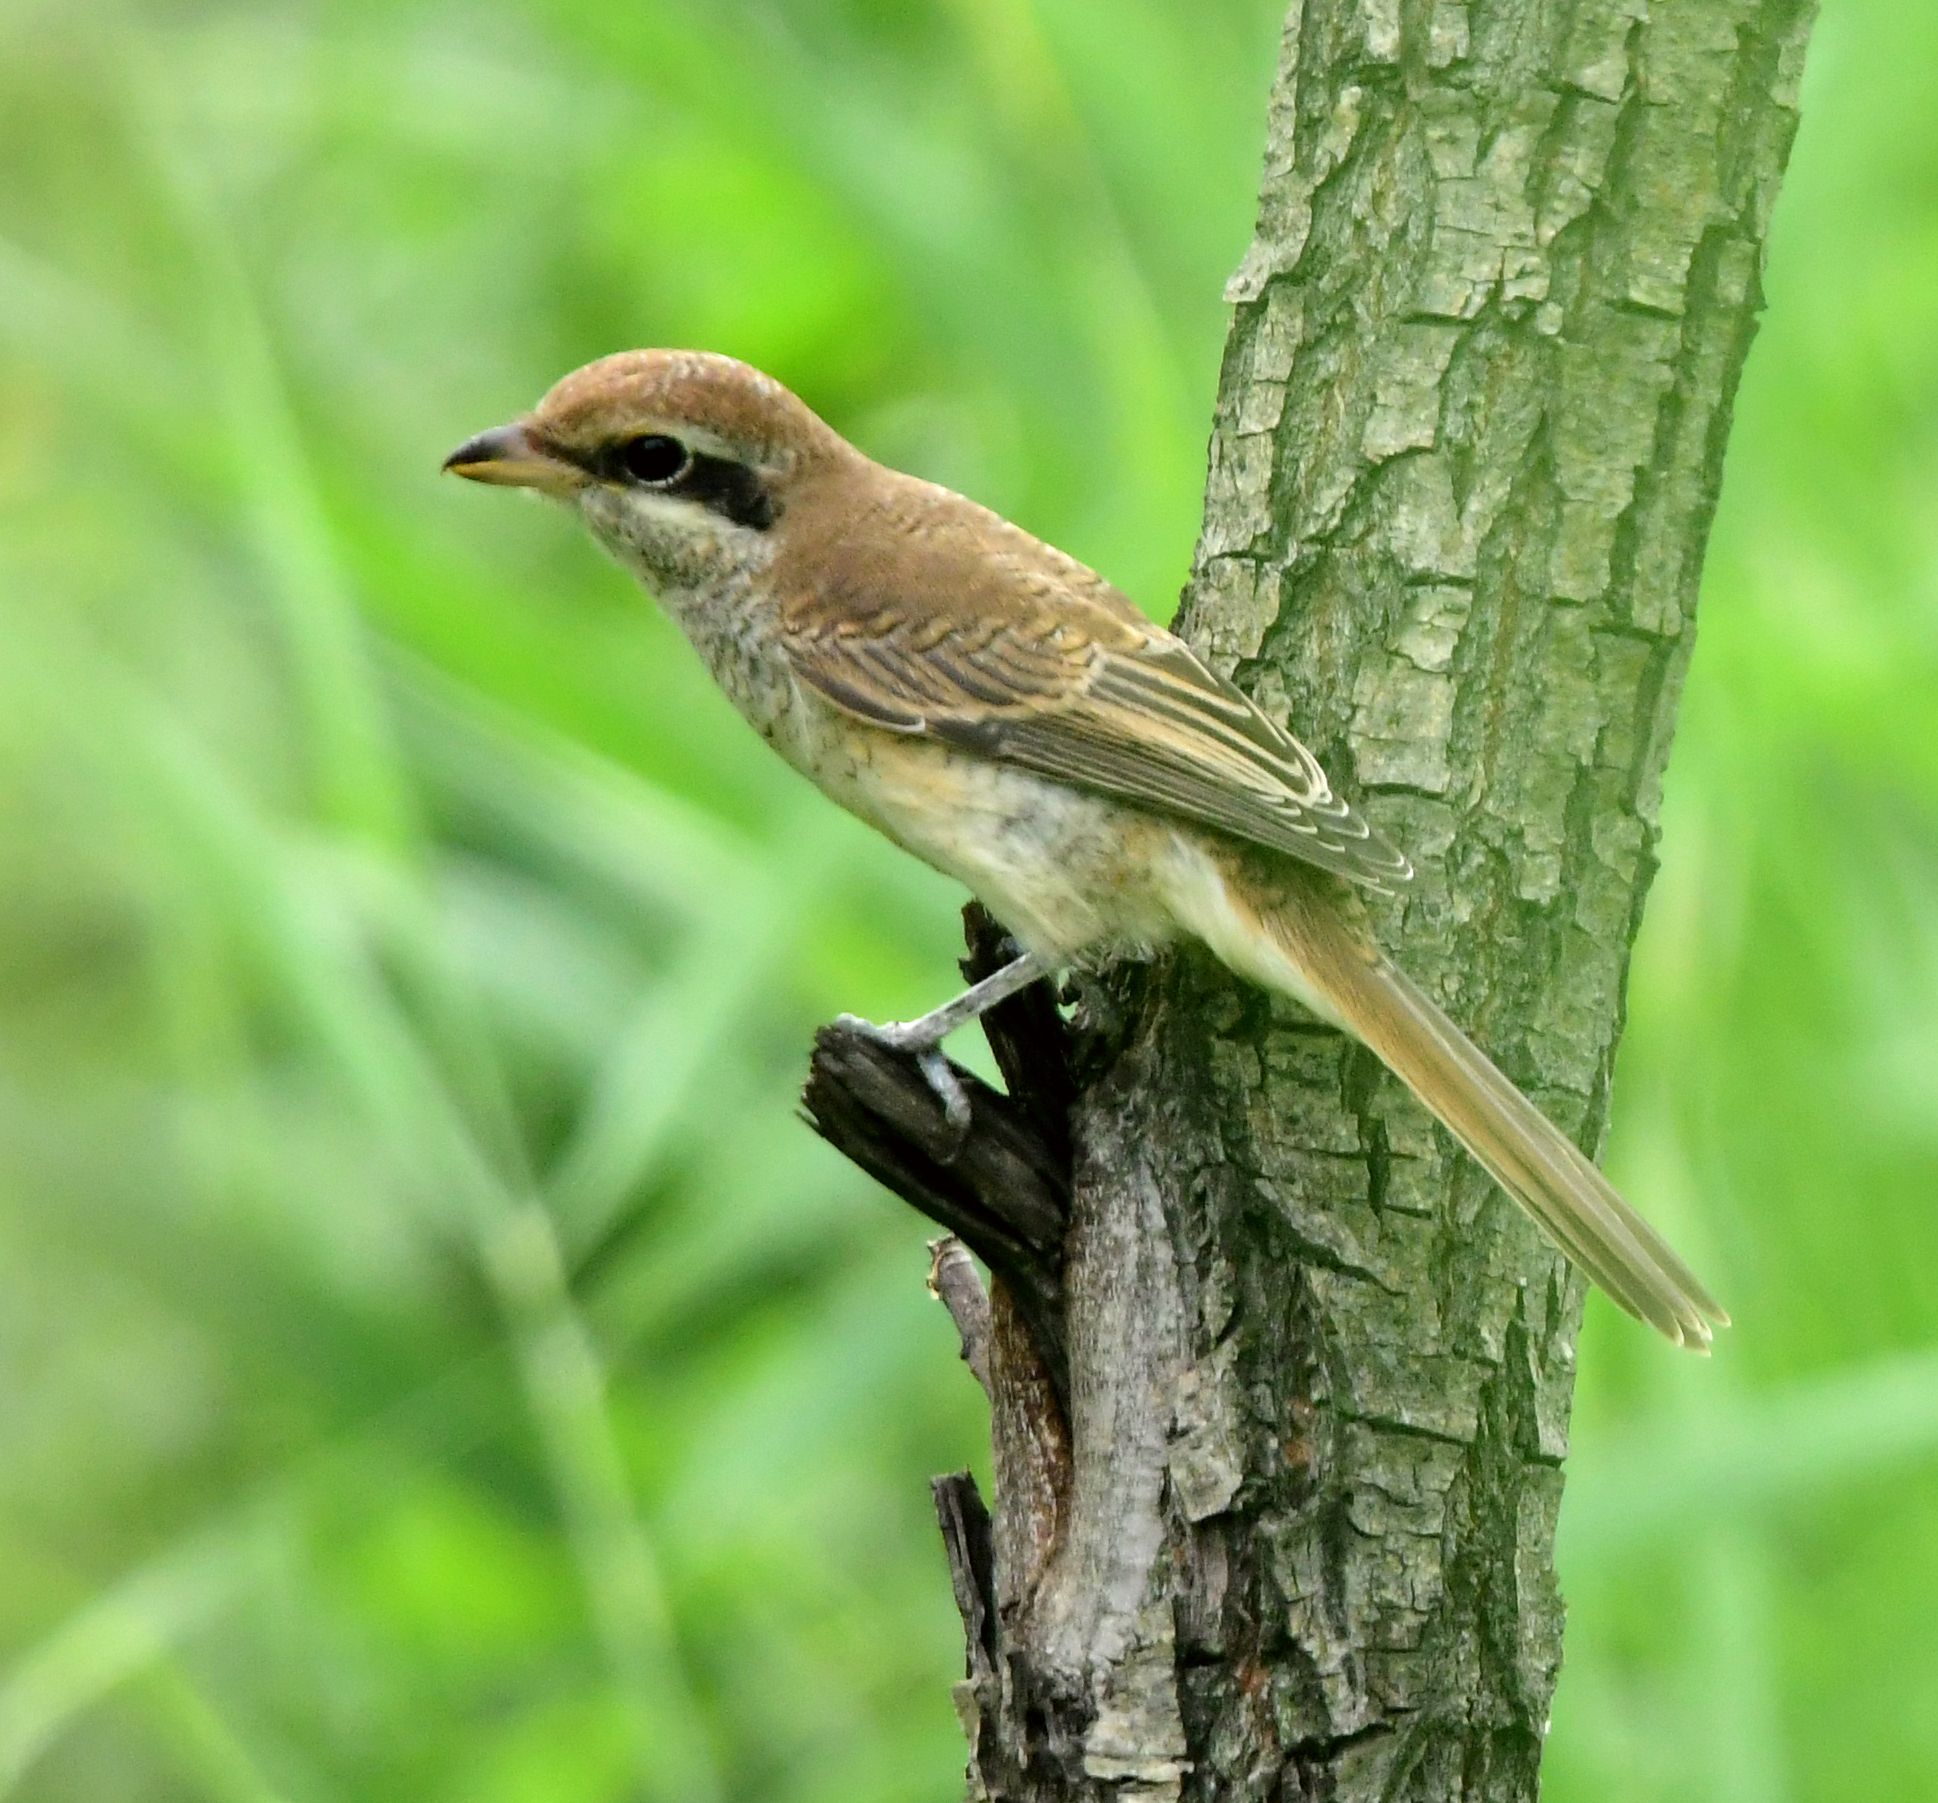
(1303, 943)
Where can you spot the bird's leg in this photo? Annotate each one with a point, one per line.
(924, 1036)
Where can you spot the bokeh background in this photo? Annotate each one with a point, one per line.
(434, 1361)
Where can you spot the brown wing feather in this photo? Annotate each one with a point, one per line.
(964, 629)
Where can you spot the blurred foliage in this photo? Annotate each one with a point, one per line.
(436, 1364)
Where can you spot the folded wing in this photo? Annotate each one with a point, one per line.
(1049, 670)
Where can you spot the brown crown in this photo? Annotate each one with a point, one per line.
(634, 392)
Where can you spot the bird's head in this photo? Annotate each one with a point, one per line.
(682, 462)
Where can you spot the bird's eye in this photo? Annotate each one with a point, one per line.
(653, 459)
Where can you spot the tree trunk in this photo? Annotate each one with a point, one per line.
(1317, 1368)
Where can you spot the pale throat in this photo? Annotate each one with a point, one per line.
(710, 576)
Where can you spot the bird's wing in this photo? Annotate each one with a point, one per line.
(1034, 661)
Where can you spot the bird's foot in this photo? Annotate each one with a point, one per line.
(919, 1038)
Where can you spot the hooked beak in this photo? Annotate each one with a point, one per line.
(511, 457)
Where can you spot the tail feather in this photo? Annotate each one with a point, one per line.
(1539, 1166)
(1530, 1158)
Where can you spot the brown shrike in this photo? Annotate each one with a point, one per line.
(1006, 715)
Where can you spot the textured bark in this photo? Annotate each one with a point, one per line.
(1318, 1370)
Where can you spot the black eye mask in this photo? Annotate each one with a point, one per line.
(661, 462)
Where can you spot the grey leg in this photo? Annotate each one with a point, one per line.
(924, 1036)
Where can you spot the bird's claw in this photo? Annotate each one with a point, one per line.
(901, 1036)
(948, 1091)
(894, 1034)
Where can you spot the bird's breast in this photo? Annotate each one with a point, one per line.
(1070, 874)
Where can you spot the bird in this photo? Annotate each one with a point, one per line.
(1000, 711)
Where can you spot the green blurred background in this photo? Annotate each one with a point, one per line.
(392, 920)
